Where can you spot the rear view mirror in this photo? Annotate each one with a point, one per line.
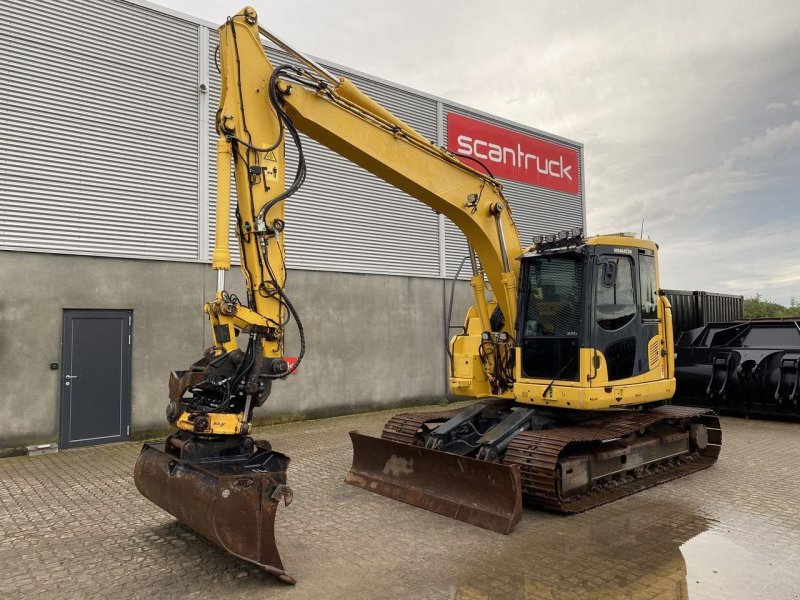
(609, 273)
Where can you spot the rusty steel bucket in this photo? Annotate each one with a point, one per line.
(477, 492)
(230, 501)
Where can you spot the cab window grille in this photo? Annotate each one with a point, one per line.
(554, 297)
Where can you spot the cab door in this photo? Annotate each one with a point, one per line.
(652, 328)
(617, 329)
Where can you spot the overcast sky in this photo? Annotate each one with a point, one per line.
(689, 111)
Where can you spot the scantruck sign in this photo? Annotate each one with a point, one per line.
(513, 155)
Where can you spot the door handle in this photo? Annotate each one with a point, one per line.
(70, 376)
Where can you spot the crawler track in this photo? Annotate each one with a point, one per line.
(403, 428)
(540, 454)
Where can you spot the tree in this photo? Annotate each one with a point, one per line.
(755, 307)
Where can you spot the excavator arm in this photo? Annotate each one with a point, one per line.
(211, 474)
(261, 105)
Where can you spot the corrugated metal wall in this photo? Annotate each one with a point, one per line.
(118, 154)
(99, 130)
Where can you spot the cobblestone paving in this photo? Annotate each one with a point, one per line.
(72, 525)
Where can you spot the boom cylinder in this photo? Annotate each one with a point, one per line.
(312, 64)
(502, 239)
(479, 290)
(472, 259)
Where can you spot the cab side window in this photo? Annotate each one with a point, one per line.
(616, 304)
(647, 284)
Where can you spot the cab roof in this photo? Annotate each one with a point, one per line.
(619, 240)
(624, 240)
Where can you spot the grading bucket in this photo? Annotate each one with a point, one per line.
(230, 500)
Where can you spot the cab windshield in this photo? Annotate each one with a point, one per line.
(552, 316)
(554, 295)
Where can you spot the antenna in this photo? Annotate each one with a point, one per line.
(641, 235)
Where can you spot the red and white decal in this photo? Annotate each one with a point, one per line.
(513, 155)
(291, 361)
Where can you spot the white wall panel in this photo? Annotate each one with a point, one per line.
(99, 130)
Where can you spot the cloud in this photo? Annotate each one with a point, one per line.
(775, 140)
(754, 165)
(739, 261)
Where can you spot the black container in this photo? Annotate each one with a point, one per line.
(691, 310)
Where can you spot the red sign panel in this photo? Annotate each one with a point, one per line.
(513, 155)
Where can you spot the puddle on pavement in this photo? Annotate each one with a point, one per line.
(655, 552)
(722, 567)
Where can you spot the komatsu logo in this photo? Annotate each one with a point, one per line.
(623, 251)
(511, 154)
(485, 150)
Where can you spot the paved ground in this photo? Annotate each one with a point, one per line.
(72, 525)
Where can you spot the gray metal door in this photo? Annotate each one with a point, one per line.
(95, 384)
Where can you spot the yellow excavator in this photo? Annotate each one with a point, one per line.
(568, 345)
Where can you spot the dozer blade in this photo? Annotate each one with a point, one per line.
(477, 492)
(226, 500)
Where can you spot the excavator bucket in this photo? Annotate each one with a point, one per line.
(477, 492)
(230, 501)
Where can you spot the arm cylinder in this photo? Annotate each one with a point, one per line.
(221, 258)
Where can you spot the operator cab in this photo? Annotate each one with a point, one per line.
(600, 294)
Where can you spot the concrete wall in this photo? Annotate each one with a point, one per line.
(373, 341)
